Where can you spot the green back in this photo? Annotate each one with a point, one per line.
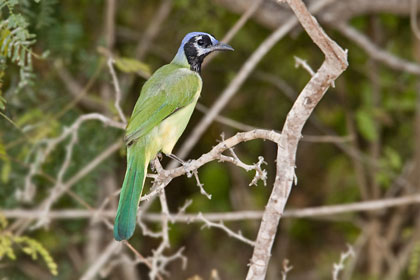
(170, 88)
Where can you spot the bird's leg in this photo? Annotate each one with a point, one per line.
(183, 163)
(174, 157)
(152, 163)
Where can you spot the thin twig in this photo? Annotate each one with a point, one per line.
(338, 267)
(304, 64)
(375, 52)
(46, 146)
(231, 233)
(93, 269)
(285, 270)
(117, 90)
(238, 26)
(153, 28)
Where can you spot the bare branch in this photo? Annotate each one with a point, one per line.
(117, 90)
(285, 270)
(224, 120)
(109, 251)
(238, 26)
(75, 89)
(200, 185)
(271, 15)
(304, 65)
(140, 258)
(413, 18)
(153, 28)
(260, 174)
(42, 152)
(166, 176)
(306, 138)
(47, 203)
(337, 267)
(159, 260)
(375, 52)
(310, 212)
(231, 233)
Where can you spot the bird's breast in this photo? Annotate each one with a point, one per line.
(172, 128)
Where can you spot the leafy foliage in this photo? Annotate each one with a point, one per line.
(6, 166)
(45, 16)
(25, 244)
(130, 65)
(414, 264)
(15, 44)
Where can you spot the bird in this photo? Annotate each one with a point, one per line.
(160, 115)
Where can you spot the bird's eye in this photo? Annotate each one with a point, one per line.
(200, 42)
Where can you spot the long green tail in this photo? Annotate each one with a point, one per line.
(125, 221)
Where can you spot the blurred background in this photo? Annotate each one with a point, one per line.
(362, 142)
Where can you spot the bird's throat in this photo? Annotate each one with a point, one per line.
(195, 63)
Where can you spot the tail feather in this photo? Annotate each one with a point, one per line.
(125, 221)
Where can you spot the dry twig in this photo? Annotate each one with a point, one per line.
(304, 64)
(285, 270)
(231, 233)
(375, 52)
(337, 267)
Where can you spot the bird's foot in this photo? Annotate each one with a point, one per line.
(185, 164)
(153, 164)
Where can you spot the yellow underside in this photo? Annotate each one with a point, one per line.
(164, 137)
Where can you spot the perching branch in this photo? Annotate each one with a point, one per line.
(166, 176)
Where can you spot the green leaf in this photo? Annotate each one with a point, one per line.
(3, 222)
(28, 250)
(29, 117)
(366, 125)
(131, 65)
(414, 263)
(383, 178)
(6, 166)
(2, 102)
(5, 171)
(2, 150)
(393, 158)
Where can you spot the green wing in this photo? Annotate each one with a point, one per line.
(170, 88)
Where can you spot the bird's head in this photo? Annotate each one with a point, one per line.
(195, 47)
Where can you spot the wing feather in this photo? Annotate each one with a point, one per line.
(169, 89)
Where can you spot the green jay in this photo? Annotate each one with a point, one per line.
(162, 111)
